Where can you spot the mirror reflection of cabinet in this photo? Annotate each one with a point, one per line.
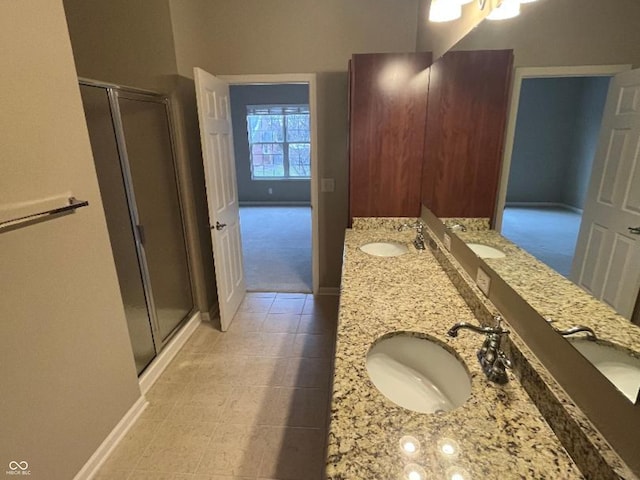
(387, 116)
(467, 110)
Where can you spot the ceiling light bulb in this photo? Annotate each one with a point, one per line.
(409, 445)
(507, 9)
(444, 11)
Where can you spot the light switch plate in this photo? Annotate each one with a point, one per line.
(327, 185)
(447, 241)
(483, 281)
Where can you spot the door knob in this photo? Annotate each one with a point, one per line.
(634, 230)
(219, 226)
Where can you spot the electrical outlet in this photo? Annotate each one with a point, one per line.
(327, 185)
(483, 280)
(270, 191)
(447, 241)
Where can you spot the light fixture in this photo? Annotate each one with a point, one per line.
(414, 472)
(507, 9)
(445, 10)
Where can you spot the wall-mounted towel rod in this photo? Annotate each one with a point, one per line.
(73, 204)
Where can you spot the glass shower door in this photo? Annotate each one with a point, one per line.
(149, 150)
(121, 235)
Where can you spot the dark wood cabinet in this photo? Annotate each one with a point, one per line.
(387, 119)
(468, 97)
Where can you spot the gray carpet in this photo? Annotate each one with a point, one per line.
(276, 244)
(547, 233)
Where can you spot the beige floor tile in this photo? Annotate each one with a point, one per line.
(277, 344)
(241, 343)
(287, 305)
(263, 371)
(308, 372)
(250, 405)
(247, 322)
(203, 339)
(201, 402)
(224, 368)
(299, 407)
(112, 474)
(281, 323)
(317, 325)
(234, 450)
(176, 448)
(293, 454)
(128, 452)
(253, 303)
(321, 306)
(306, 345)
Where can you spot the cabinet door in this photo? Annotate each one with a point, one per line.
(388, 104)
(468, 96)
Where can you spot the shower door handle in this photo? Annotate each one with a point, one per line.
(634, 230)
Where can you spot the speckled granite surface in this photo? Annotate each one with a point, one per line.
(498, 431)
(552, 295)
(588, 448)
(471, 224)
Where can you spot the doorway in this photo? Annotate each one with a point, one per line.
(275, 131)
(551, 139)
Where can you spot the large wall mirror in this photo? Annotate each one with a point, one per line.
(568, 58)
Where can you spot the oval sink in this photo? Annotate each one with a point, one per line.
(384, 249)
(620, 368)
(485, 251)
(418, 374)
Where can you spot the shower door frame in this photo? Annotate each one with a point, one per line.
(113, 93)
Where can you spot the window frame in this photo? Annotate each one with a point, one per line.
(302, 109)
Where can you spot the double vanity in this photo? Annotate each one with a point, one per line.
(410, 398)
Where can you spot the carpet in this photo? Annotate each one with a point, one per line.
(276, 244)
(548, 233)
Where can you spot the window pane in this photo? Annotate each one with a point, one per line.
(265, 128)
(267, 160)
(298, 128)
(299, 160)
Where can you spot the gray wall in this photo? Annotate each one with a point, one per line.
(228, 37)
(66, 364)
(249, 191)
(556, 136)
(131, 43)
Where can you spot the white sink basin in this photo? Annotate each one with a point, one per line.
(619, 367)
(418, 374)
(384, 249)
(485, 251)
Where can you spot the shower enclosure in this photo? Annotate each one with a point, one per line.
(132, 142)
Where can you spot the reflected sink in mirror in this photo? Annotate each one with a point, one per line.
(417, 373)
(485, 251)
(384, 249)
(620, 367)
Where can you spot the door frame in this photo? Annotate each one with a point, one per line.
(520, 74)
(311, 81)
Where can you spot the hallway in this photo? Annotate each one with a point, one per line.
(251, 403)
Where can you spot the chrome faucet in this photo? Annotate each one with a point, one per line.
(492, 359)
(591, 335)
(455, 226)
(418, 242)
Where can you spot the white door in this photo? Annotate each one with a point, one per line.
(607, 260)
(222, 195)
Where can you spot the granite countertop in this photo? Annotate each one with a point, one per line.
(498, 432)
(554, 296)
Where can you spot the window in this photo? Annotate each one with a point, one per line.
(279, 139)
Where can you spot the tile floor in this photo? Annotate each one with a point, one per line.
(250, 403)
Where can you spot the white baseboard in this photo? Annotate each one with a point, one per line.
(160, 363)
(543, 205)
(98, 458)
(328, 291)
(274, 204)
